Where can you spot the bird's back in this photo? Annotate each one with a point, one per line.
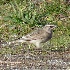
(40, 34)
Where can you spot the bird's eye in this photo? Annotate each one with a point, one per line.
(51, 26)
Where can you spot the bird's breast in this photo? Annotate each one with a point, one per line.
(46, 37)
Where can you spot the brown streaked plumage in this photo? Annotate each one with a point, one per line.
(38, 36)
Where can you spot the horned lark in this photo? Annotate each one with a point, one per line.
(41, 35)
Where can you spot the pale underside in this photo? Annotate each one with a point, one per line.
(36, 37)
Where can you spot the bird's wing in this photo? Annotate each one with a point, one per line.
(33, 35)
(38, 34)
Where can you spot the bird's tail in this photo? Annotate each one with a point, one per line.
(21, 40)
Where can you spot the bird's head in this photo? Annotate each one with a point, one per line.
(49, 28)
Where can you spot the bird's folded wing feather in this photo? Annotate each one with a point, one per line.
(38, 34)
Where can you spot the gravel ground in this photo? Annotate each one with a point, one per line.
(36, 60)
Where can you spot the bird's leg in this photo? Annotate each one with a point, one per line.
(37, 44)
(38, 48)
(29, 46)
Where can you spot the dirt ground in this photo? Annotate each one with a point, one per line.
(36, 60)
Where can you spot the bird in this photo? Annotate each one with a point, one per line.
(41, 35)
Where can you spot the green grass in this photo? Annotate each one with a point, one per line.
(17, 18)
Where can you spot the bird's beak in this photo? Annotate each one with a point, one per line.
(55, 26)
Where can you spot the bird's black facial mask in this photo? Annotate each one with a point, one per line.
(49, 28)
(52, 26)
